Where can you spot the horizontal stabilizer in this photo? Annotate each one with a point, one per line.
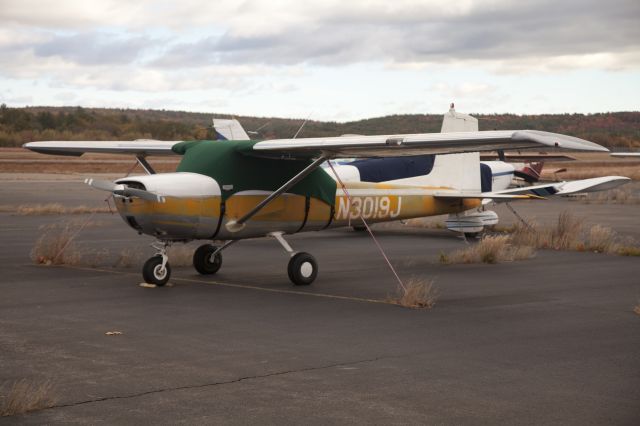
(592, 185)
(568, 188)
(487, 195)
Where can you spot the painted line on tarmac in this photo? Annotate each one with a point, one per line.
(243, 286)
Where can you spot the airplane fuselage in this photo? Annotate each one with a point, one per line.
(195, 209)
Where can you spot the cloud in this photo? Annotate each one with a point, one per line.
(95, 48)
(284, 49)
(330, 33)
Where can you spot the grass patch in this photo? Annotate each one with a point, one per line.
(56, 246)
(418, 293)
(424, 223)
(179, 255)
(623, 195)
(24, 396)
(490, 249)
(568, 233)
(51, 209)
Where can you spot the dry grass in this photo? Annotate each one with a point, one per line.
(569, 233)
(418, 293)
(628, 251)
(24, 396)
(589, 170)
(424, 223)
(622, 195)
(55, 245)
(564, 235)
(490, 249)
(179, 255)
(51, 209)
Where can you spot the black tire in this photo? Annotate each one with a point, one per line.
(472, 234)
(302, 269)
(152, 273)
(202, 259)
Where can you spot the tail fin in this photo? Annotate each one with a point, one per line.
(230, 130)
(457, 122)
(455, 171)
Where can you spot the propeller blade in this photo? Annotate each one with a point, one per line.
(103, 185)
(124, 190)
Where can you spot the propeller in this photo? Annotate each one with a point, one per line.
(124, 190)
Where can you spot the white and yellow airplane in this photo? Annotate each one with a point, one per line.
(230, 190)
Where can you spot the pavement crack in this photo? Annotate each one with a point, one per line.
(221, 383)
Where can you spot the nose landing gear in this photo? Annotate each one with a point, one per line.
(157, 270)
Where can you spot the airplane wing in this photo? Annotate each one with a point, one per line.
(140, 147)
(344, 146)
(564, 188)
(417, 144)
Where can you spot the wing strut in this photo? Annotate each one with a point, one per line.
(145, 165)
(237, 225)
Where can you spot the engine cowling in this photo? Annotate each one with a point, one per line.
(191, 207)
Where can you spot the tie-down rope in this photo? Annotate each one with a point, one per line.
(366, 225)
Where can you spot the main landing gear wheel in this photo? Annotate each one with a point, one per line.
(302, 269)
(154, 273)
(205, 262)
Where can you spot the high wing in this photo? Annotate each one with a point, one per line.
(345, 146)
(564, 188)
(418, 144)
(140, 147)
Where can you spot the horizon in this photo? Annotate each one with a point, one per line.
(217, 114)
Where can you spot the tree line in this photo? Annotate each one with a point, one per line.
(20, 125)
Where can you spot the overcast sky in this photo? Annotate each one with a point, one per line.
(332, 60)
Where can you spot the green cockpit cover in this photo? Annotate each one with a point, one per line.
(231, 164)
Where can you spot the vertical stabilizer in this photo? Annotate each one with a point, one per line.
(229, 129)
(457, 122)
(456, 171)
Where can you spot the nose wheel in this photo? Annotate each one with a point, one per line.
(157, 270)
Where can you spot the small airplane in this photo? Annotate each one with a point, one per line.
(230, 190)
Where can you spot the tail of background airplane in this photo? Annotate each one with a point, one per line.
(456, 122)
(229, 129)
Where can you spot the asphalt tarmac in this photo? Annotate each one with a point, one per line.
(551, 340)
